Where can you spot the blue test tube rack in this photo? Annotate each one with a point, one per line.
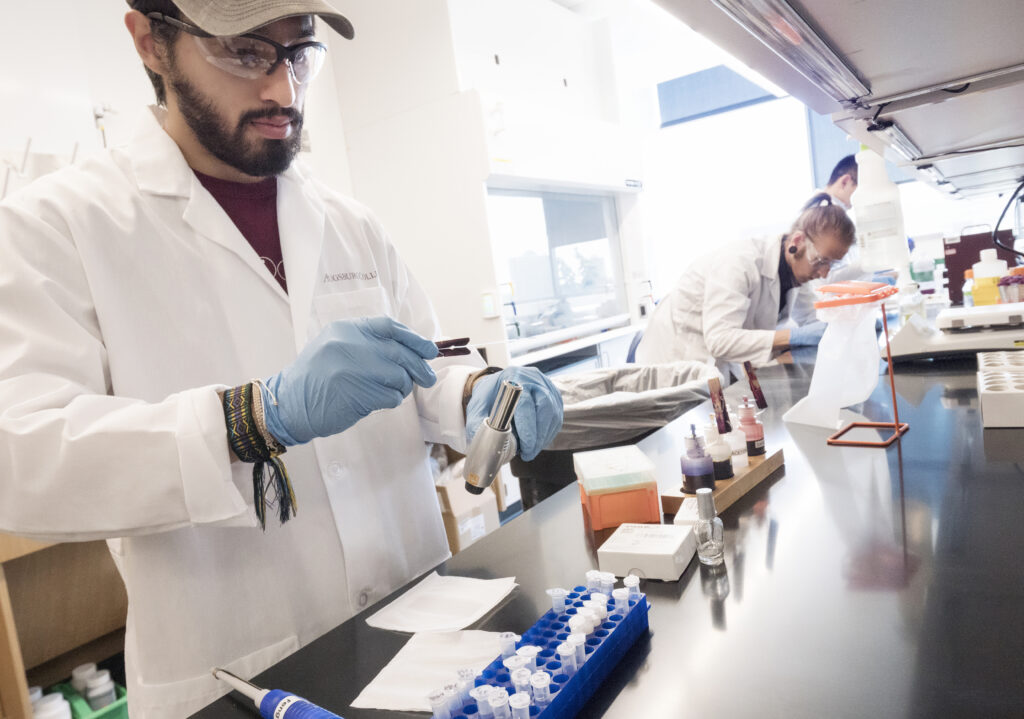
(604, 649)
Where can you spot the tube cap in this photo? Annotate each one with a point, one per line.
(705, 503)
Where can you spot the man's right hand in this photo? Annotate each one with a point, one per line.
(352, 368)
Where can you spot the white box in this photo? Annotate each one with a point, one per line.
(687, 514)
(652, 551)
(1001, 388)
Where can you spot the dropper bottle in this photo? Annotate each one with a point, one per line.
(698, 470)
(752, 428)
(721, 454)
(709, 531)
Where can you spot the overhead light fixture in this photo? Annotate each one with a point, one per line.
(785, 33)
(895, 138)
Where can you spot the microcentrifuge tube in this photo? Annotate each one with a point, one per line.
(530, 652)
(599, 597)
(439, 705)
(557, 595)
(499, 706)
(591, 616)
(632, 583)
(541, 682)
(567, 656)
(579, 642)
(520, 705)
(517, 661)
(578, 623)
(481, 696)
(621, 597)
(465, 683)
(454, 698)
(607, 582)
(593, 580)
(597, 607)
(507, 643)
(521, 680)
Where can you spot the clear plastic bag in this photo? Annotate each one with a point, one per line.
(846, 369)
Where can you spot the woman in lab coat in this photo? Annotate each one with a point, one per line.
(130, 302)
(726, 305)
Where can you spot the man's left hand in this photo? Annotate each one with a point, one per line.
(538, 416)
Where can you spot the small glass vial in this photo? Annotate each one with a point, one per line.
(721, 453)
(695, 464)
(752, 428)
(708, 530)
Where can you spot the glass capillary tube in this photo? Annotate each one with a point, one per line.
(439, 705)
(567, 656)
(541, 682)
(558, 596)
(621, 597)
(499, 706)
(507, 643)
(579, 642)
(632, 583)
(481, 695)
(521, 680)
(520, 705)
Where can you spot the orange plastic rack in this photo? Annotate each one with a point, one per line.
(861, 293)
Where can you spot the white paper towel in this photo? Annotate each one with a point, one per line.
(426, 663)
(442, 604)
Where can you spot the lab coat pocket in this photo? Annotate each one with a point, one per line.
(185, 697)
(367, 302)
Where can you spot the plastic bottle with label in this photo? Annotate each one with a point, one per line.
(987, 272)
(878, 215)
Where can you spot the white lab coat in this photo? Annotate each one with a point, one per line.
(127, 299)
(723, 308)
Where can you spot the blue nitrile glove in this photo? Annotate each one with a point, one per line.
(887, 276)
(352, 368)
(538, 415)
(808, 335)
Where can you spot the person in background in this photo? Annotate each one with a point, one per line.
(725, 307)
(195, 333)
(839, 190)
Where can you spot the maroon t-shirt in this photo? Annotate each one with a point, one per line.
(252, 206)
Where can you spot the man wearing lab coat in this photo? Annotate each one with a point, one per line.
(725, 306)
(138, 294)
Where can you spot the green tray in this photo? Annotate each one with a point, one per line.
(80, 708)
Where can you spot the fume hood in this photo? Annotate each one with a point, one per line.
(937, 87)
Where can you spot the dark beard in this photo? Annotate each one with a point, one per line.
(269, 157)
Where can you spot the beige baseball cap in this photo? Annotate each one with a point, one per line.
(235, 17)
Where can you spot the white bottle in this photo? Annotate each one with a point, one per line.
(878, 216)
(911, 303)
(989, 265)
(80, 675)
(51, 706)
(737, 442)
(719, 449)
(922, 269)
(99, 690)
(968, 288)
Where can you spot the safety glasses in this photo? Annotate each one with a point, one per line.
(253, 56)
(819, 263)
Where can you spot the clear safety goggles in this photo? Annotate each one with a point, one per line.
(252, 56)
(820, 263)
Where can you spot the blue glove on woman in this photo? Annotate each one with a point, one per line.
(808, 335)
(352, 368)
(538, 416)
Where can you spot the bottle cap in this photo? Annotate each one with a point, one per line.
(705, 503)
(98, 679)
(519, 700)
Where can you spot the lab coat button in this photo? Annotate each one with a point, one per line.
(334, 469)
(364, 597)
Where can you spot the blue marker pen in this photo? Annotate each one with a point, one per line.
(274, 703)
